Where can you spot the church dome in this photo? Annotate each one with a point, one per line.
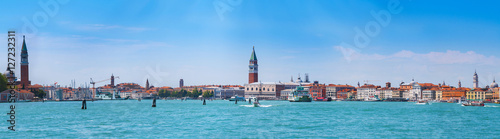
(412, 82)
(494, 84)
(6, 74)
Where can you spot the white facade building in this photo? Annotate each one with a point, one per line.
(264, 90)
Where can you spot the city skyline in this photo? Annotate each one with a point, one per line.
(427, 42)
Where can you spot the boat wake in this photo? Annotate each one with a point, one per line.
(492, 106)
(259, 106)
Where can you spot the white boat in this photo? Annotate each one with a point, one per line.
(256, 102)
(371, 98)
(422, 102)
(250, 98)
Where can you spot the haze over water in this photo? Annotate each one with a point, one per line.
(224, 119)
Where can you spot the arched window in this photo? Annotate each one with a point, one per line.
(264, 89)
(252, 89)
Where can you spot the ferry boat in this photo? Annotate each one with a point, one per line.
(474, 103)
(299, 95)
(234, 98)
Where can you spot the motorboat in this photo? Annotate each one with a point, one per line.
(422, 102)
(474, 103)
(256, 102)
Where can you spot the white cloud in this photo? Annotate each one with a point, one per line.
(448, 57)
(433, 67)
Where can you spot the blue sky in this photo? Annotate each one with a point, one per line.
(431, 41)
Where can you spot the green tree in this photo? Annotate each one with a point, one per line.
(183, 93)
(195, 93)
(174, 94)
(207, 94)
(39, 93)
(161, 93)
(3, 83)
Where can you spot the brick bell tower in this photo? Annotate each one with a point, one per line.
(253, 74)
(25, 80)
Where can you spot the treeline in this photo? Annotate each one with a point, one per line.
(183, 93)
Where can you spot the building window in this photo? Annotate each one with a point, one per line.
(264, 89)
(247, 89)
(273, 89)
(252, 89)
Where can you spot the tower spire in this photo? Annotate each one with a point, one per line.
(24, 65)
(253, 75)
(253, 56)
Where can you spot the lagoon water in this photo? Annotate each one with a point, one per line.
(224, 119)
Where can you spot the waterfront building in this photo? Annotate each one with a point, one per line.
(482, 94)
(125, 94)
(317, 91)
(454, 93)
(253, 72)
(225, 93)
(25, 82)
(332, 90)
(264, 90)
(345, 94)
(439, 94)
(386, 92)
(429, 94)
(284, 94)
(367, 91)
(352, 94)
(406, 94)
(496, 93)
(475, 80)
(22, 95)
(137, 95)
(397, 93)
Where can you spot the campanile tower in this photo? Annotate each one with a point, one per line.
(475, 80)
(25, 80)
(253, 74)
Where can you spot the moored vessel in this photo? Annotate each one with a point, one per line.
(299, 94)
(474, 103)
(234, 98)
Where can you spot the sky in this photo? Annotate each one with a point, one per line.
(209, 42)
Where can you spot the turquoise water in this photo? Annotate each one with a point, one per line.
(224, 119)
